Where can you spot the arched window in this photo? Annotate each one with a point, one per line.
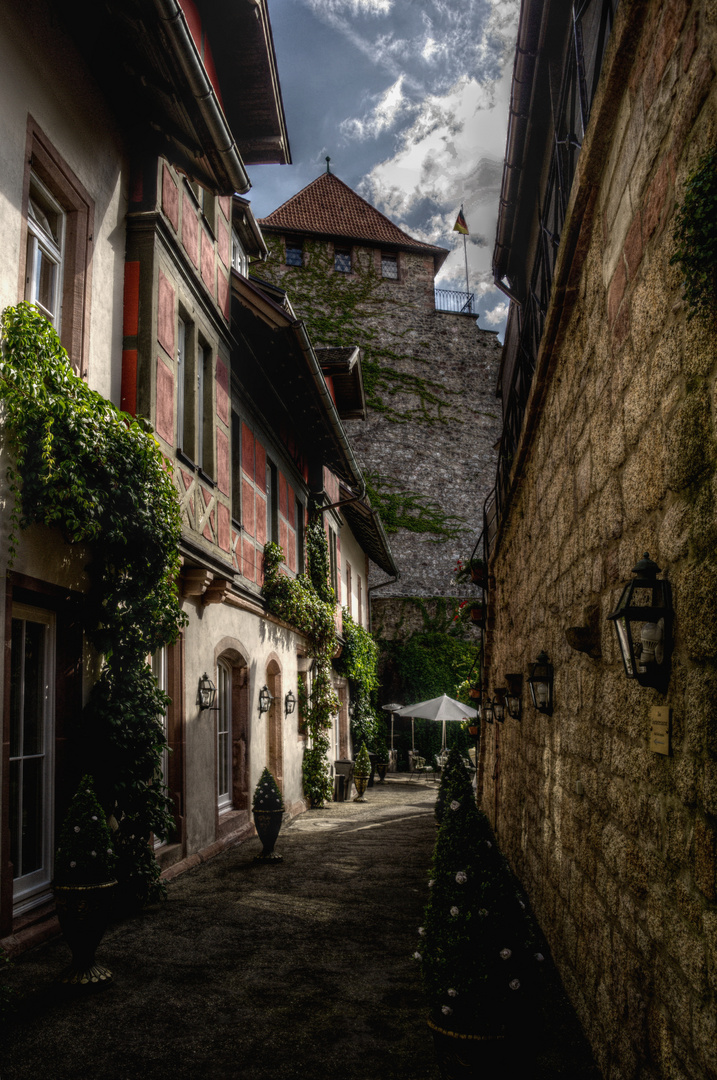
(224, 736)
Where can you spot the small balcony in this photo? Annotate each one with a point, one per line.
(460, 303)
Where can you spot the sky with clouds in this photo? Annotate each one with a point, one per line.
(409, 98)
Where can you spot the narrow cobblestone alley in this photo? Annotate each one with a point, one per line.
(255, 971)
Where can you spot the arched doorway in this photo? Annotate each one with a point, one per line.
(274, 724)
(232, 730)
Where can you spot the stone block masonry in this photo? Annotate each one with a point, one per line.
(617, 845)
(433, 418)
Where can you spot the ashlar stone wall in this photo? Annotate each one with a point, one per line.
(616, 844)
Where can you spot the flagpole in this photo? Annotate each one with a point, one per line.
(465, 252)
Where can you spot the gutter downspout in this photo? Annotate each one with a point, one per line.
(175, 24)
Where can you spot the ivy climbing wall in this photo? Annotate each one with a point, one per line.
(432, 419)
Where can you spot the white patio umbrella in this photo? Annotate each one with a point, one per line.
(442, 708)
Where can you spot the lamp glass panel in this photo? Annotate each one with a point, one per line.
(623, 637)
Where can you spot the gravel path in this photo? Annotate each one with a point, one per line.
(252, 971)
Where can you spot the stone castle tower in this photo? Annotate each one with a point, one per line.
(431, 418)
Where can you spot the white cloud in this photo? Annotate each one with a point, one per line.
(496, 315)
(338, 8)
(389, 107)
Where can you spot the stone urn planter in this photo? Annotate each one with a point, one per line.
(467, 1057)
(83, 912)
(268, 810)
(382, 769)
(84, 885)
(362, 772)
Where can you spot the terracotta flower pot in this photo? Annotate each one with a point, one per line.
(473, 729)
(83, 912)
(478, 614)
(474, 693)
(268, 824)
(478, 575)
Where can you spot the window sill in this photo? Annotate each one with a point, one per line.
(185, 458)
(206, 477)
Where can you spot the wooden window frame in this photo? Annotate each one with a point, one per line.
(42, 159)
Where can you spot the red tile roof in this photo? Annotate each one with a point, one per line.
(328, 207)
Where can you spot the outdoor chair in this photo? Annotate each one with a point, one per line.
(417, 764)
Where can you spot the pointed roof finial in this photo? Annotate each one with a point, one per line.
(328, 164)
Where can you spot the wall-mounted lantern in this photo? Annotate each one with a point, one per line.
(289, 703)
(540, 681)
(499, 705)
(512, 696)
(643, 624)
(207, 692)
(488, 711)
(265, 699)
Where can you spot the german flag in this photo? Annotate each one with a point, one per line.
(460, 225)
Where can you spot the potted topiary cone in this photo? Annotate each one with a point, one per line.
(362, 772)
(84, 884)
(455, 783)
(480, 960)
(268, 810)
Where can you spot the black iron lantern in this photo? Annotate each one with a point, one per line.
(540, 681)
(512, 696)
(265, 699)
(488, 711)
(289, 703)
(643, 624)
(207, 692)
(499, 705)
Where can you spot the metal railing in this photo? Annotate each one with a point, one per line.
(462, 303)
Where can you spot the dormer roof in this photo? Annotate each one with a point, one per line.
(329, 208)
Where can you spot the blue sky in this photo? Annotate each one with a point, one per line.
(409, 98)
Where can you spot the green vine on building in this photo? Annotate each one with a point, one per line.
(358, 663)
(307, 602)
(98, 475)
(696, 239)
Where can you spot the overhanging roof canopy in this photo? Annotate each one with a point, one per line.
(342, 364)
(182, 92)
(367, 527)
(287, 379)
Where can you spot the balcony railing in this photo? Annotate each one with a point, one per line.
(462, 303)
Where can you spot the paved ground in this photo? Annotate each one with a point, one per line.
(268, 972)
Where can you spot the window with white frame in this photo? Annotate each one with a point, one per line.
(224, 736)
(240, 261)
(45, 250)
(32, 738)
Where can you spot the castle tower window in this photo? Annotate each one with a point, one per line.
(342, 260)
(389, 267)
(294, 253)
